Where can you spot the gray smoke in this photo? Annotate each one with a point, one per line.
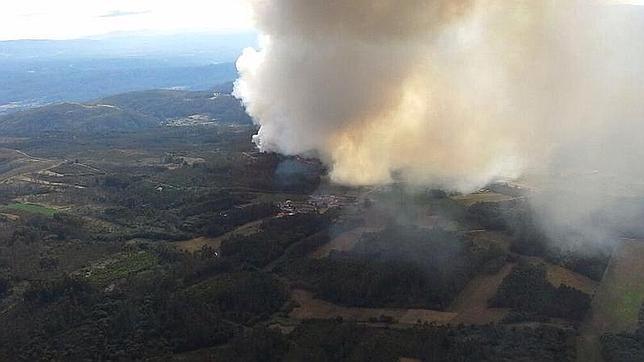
(456, 94)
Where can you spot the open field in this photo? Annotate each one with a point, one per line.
(343, 242)
(483, 196)
(588, 347)
(621, 293)
(617, 300)
(490, 237)
(471, 305)
(11, 217)
(7, 154)
(311, 308)
(557, 275)
(196, 244)
(37, 181)
(117, 267)
(26, 166)
(30, 208)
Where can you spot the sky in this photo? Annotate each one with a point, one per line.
(70, 19)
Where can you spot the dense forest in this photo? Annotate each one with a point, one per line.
(531, 297)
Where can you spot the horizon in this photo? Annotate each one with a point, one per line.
(142, 34)
(78, 19)
(92, 19)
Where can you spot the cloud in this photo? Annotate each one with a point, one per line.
(121, 13)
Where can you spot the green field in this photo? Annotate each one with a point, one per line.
(626, 301)
(120, 267)
(621, 293)
(30, 208)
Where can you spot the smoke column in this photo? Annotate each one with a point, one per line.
(454, 93)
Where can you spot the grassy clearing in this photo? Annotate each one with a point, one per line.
(486, 237)
(557, 275)
(472, 303)
(196, 244)
(343, 242)
(31, 208)
(120, 267)
(310, 308)
(621, 293)
(626, 308)
(11, 217)
(471, 199)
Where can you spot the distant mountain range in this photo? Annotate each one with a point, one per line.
(125, 112)
(186, 48)
(39, 72)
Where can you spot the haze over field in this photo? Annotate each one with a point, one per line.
(454, 94)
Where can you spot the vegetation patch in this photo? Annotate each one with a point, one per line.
(625, 346)
(334, 340)
(120, 267)
(30, 208)
(274, 237)
(479, 197)
(531, 296)
(243, 297)
(400, 267)
(621, 293)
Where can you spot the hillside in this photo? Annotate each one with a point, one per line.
(125, 112)
(75, 117)
(169, 104)
(39, 72)
(28, 83)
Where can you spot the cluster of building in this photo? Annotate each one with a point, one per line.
(315, 203)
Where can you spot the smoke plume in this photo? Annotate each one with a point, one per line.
(454, 93)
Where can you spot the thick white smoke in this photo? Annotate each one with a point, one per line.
(453, 93)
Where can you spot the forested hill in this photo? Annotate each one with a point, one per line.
(168, 104)
(128, 112)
